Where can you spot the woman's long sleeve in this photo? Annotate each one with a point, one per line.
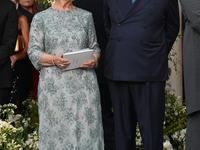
(36, 46)
(92, 43)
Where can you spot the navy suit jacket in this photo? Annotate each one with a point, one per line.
(96, 8)
(140, 38)
(8, 36)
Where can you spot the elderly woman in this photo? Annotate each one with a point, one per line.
(69, 102)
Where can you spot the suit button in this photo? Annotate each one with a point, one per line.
(119, 24)
(116, 10)
(151, 13)
(141, 41)
(118, 39)
(145, 27)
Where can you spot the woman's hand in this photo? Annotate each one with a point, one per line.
(91, 63)
(13, 60)
(60, 62)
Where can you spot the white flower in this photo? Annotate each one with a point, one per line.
(26, 124)
(24, 120)
(34, 132)
(175, 135)
(139, 141)
(169, 104)
(168, 145)
(11, 118)
(183, 133)
(35, 138)
(27, 142)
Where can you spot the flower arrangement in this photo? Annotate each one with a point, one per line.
(8, 135)
(19, 131)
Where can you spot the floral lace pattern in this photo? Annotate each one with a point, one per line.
(69, 101)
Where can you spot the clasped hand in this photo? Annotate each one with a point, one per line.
(90, 63)
(63, 63)
(60, 62)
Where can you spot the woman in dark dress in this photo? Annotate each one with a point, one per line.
(29, 9)
(18, 62)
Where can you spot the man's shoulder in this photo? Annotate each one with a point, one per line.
(83, 11)
(6, 4)
(7, 7)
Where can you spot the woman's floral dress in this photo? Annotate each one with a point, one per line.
(69, 101)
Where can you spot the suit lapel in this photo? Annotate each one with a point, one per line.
(135, 7)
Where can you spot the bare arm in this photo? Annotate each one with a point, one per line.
(23, 25)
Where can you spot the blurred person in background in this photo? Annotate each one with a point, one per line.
(8, 36)
(29, 8)
(191, 63)
(20, 91)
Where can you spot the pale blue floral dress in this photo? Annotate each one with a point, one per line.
(69, 101)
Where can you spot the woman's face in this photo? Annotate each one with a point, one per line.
(26, 3)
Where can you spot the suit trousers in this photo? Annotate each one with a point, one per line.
(5, 95)
(193, 131)
(142, 102)
(107, 117)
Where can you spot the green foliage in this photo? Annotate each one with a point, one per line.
(175, 114)
(10, 137)
(30, 110)
(48, 3)
(6, 110)
(19, 131)
(175, 120)
(173, 61)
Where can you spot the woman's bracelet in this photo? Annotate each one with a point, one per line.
(53, 61)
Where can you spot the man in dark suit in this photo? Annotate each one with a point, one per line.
(8, 36)
(96, 7)
(141, 34)
(191, 63)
